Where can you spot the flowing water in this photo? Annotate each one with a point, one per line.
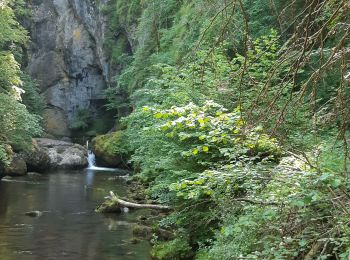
(92, 164)
(68, 227)
(92, 161)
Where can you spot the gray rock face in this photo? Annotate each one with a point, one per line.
(37, 159)
(63, 155)
(66, 57)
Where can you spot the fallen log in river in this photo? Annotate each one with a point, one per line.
(115, 204)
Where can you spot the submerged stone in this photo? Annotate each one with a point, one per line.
(35, 213)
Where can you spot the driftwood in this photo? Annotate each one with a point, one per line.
(115, 204)
(314, 251)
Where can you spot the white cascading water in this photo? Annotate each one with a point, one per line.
(92, 161)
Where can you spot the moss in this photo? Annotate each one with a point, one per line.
(110, 149)
(142, 231)
(109, 206)
(109, 144)
(174, 249)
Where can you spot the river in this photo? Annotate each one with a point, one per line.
(68, 228)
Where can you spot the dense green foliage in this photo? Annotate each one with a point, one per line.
(31, 97)
(16, 123)
(239, 123)
(240, 120)
(20, 103)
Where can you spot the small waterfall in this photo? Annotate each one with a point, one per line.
(91, 159)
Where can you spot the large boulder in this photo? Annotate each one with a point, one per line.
(37, 159)
(17, 167)
(63, 155)
(109, 150)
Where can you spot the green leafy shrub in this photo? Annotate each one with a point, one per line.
(31, 97)
(178, 148)
(9, 71)
(12, 36)
(4, 157)
(174, 249)
(17, 124)
(214, 134)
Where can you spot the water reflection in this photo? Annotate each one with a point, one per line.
(89, 177)
(69, 228)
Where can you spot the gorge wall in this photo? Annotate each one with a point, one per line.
(67, 59)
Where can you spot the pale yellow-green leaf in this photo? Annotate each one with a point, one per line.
(205, 149)
(158, 115)
(202, 137)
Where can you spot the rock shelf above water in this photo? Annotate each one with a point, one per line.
(62, 154)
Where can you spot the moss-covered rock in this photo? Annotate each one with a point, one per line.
(174, 249)
(17, 167)
(141, 231)
(110, 150)
(14, 165)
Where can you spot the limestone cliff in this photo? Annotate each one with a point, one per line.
(66, 57)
